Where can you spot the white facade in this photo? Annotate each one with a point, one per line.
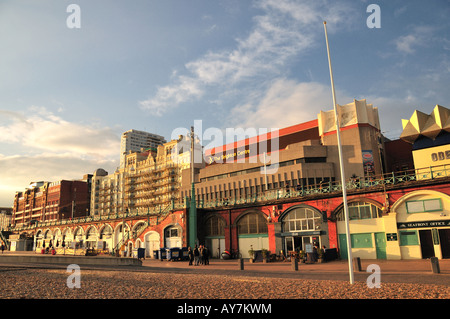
(133, 140)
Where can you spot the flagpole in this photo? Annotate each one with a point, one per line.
(341, 164)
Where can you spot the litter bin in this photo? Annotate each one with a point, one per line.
(141, 253)
(175, 253)
(162, 254)
(184, 253)
(156, 254)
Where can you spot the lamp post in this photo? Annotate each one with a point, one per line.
(341, 164)
(192, 206)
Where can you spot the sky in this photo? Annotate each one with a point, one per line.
(73, 79)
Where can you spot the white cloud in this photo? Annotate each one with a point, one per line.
(420, 36)
(60, 149)
(40, 129)
(285, 103)
(284, 30)
(17, 172)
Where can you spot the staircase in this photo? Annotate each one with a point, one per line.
(162, 213)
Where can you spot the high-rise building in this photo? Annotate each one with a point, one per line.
(134, 140)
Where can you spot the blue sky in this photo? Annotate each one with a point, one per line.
(67, 94)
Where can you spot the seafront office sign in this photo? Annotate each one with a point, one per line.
(424, 224)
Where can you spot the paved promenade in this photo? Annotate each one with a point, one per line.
(224, 280)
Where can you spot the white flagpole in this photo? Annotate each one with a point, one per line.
(341, 164)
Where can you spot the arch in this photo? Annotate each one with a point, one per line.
(152, 243)
(252, 232)
(48, 234)
(120, 234)
(57, 236)
(339, 209)
(301, 218)
(106, 231)
(413, 194)
(173, 236)
(92, 237)
(137, 224)
(106, 237)
(214, 225)
(251, 222)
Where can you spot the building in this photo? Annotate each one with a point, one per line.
(51, 201)
(149, 181)
(302, 157)
(5, 218)
(134, 141)
(295, 157)
(286, 200)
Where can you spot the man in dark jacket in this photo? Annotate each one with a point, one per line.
(205, 255)
(196, 255)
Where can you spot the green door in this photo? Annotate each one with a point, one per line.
(343, 246)
(380, 244)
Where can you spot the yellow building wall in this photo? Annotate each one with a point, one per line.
(414, 251)
(433, 156)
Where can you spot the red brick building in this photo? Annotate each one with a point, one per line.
(51, 201)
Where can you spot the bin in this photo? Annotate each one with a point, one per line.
(162, 253)
(174, 253)
(141, 253)
(184, 253)
(156, 254)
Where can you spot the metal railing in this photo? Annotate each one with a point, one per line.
(414, 176)
(156, 214)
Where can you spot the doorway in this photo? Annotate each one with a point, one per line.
(444, 236)
(295, 243)
(426, 244)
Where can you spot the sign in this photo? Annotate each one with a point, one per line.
(309, 248)
(391, 236)
(424, 224)
(368, 164)
(228, 157)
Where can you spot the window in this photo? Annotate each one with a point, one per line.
(215, 226)
(252, 223)
(422, 206)
(408, 238)
(301, 219)
(360, 210)
(172, 232)
(361, 240)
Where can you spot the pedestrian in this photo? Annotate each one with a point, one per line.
(190, 255)
(200, 254)
(3, 247)
(196, 255)
(205, 255)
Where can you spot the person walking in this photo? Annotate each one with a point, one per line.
(200, 254)
(3, 247)
(190, 255)
(196, 255)
(205, 255)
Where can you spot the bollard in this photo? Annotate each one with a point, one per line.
(357, 264)
(294, 264)
(241, 263)
(435, 265)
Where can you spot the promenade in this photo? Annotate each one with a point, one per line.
(222, 279)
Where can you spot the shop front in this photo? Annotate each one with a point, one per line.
(302, 227)
(423, 222)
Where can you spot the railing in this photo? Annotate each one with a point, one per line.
(157, 213)
(353, 184)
